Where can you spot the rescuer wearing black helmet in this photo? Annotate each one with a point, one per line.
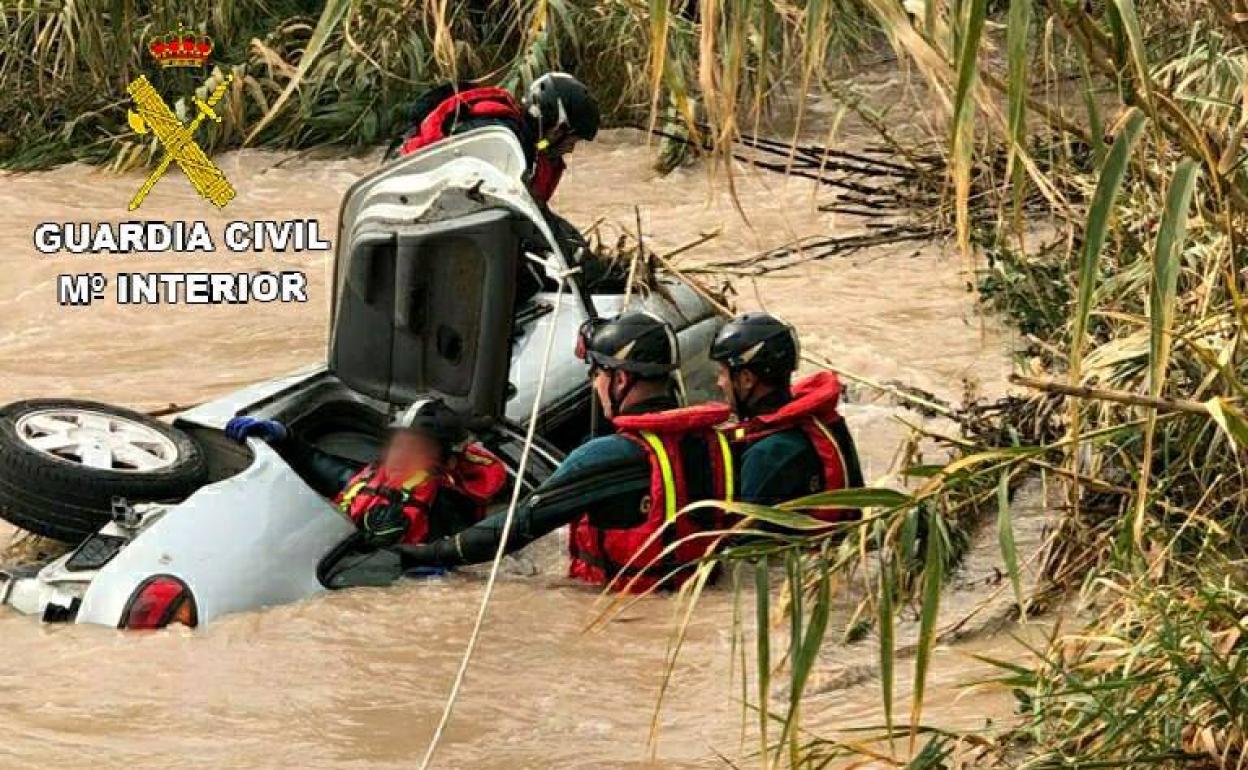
(789, 437)
(618, 491)
(758, 354)
(560, 112)
(556, 112)
(632, 360)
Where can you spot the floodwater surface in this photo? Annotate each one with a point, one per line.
(357, 679)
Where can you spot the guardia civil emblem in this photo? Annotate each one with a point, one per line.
(151, 114)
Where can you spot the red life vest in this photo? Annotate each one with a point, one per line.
(372, 486)
(478, 474)
(547, 171)
(473, 103)
(601, 555)
(813, 409)
(486, 102)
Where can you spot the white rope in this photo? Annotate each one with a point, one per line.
(511, 512)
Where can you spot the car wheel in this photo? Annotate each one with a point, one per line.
(62, 463)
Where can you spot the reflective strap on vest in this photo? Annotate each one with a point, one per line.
(355, 489)
(665, 467)
(726, 451)
(351, 493)
(835, 445)
(415, 480)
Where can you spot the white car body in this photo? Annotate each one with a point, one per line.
(257, 536)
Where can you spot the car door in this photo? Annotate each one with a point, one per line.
(425, 284)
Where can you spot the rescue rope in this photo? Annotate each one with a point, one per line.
(445, 719)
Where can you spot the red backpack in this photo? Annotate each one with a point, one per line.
(435, 118)
(438, 112)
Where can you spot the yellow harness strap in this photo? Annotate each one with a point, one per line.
(665, 468)
(726, 452)
(475, 458)
(354, 490)
(832, 440)
(350, 494)
(415, 480)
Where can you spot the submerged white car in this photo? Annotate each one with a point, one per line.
(176, 523)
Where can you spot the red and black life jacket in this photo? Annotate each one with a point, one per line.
(372, 486)
(813, 410)
(632, 555)
(440, 117)
(478, 475)
(547, 171)
(439, 112)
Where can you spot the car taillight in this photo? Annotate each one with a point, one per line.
(159, 601)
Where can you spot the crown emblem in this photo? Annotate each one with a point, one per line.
(180, 49)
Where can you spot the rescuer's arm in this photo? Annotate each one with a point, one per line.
(322, 471)
(608, 476)
(326, 473)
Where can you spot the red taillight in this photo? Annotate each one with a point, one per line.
(159, 601)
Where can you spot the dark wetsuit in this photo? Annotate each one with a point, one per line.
(606, 477)
(784, 465)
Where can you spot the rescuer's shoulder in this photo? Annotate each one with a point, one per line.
(777, 450)
(600, 455)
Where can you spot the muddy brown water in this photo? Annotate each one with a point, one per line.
(357, 679)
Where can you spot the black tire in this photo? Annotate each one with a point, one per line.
(64, 500)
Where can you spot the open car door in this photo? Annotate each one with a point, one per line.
(425, 282)
(424, 302)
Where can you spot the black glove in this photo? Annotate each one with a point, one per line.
(383, 525)
(441, 553)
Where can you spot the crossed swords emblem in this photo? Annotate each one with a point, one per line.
(178, 139)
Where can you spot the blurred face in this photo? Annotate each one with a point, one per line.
(601, 381)
(409, 453)
(562, 142)
(735, 387)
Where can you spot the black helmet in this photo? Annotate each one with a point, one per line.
(634, 342)
(757, 341)
(432, 417)
(557, 99)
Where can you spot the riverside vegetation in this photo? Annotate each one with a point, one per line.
(1092, 167)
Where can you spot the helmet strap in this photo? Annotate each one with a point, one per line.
(743, 405)
(618, 399)
(594, 409)
(678, 386)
